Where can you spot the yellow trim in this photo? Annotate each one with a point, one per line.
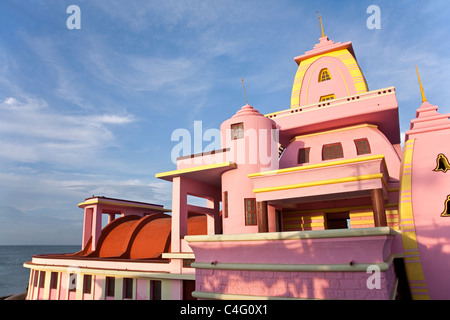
(195, 169)
(320, 183)
(304, 225)
(366, 125)
(361, 214)
(345, 57)
(331, 210)
(318, 165)
(414, 269)
(327, 97)
(302, 217)
(358, 222)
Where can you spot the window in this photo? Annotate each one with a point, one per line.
(250, 211)
(225, 204)
(110, 286)
(41, 279)
(327, 97)
(35, 282)
(362, 146)
(156, 289)
(53, 280)
(72, 282)
(332, 151)
(87, 283)
(237, 131)
(303, 155)
(324, 75)
(338, 220)
(128, 288)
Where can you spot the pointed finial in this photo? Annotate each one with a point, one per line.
(421, 88)
(245, 95)
(321, 24)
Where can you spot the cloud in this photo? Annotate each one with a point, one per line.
(31, 131)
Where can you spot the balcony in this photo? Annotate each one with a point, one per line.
(332, 180)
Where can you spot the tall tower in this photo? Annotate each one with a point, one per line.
(424, 199)
(252, 141)
(329, 71)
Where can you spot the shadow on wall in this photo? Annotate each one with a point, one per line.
(332, 268)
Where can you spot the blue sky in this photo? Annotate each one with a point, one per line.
(91, 111)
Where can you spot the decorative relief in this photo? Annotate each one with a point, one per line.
(442, 163)
(446, 212)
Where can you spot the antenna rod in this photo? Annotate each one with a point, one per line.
(321, 24)
(421, 88)
(245, 95)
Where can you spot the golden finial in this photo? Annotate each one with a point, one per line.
(245, 95)
(421, 88)
(321, 24)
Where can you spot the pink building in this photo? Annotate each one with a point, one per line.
(317, 201)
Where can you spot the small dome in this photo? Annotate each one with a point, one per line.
(247, 110)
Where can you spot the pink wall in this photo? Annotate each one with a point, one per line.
(318, 285)
(378, 145)
(257, 151)
(341, 82)
(302, 249)
(430, 190)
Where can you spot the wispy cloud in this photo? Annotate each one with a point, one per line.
(31, 131)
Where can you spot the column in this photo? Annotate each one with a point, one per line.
(87, 226)
(214, 221)
(262, 218)
(179, 214)
(96, 225)
(379, 212)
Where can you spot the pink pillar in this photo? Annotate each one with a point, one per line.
(87, 226)
(272, 218)
(111, 217)
(179, 213)
(96, 225)
(214, 221)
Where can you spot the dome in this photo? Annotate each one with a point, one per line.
(135, 237)
(247, 110)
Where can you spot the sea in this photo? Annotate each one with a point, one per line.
(13, 275)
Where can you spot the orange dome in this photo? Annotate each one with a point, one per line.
(135, 237)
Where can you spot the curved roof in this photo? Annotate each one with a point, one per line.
(135, 237)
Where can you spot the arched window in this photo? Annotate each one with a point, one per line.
(324, 75)
(362, 146)
(332, 151)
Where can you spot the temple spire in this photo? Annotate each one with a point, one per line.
(321, 23)
(421, 88)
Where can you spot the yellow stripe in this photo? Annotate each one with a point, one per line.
(319, 165)
(303, 225)
(320, 183)
(341, 209)
(194, 169)
(335, 130)
(357, 222)
(362, 214)
(413, 269)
